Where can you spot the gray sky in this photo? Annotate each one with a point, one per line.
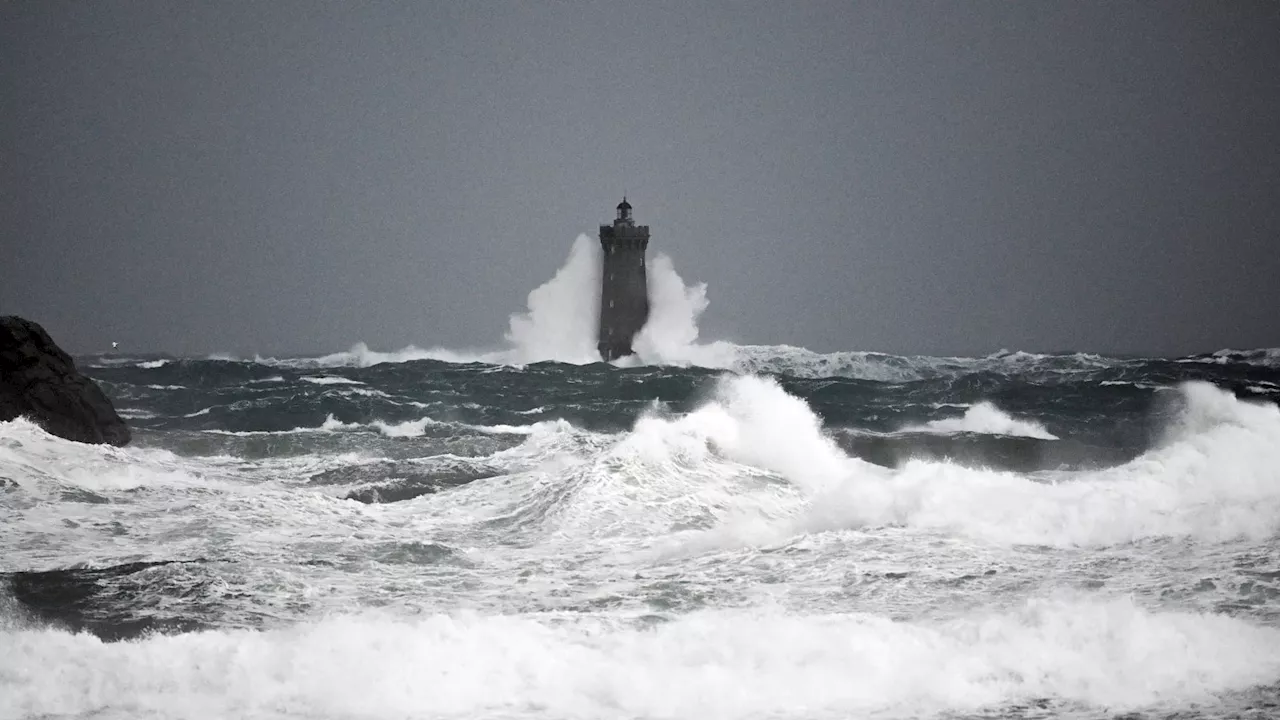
(294, 177)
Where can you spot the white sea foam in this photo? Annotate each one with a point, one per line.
(406, 428)
(40, 462)
(358, 356)
(1216, 477)
(329, 380)
(331, 424)
(417, 428)
(985, 417)
(1263, 357)
(106, 362)
(717, 663)
(370, 392)
(693, 483)
(1129, 383)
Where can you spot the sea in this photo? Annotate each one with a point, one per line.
(704, 530)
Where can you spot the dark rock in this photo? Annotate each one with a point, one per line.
(39, 381)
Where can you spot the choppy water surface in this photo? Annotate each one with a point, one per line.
(801, 536)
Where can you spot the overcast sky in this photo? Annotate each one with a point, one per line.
(948, 178)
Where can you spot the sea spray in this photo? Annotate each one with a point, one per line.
(561, 321)
(670, 337)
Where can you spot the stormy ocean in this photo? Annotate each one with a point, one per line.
(706, 530)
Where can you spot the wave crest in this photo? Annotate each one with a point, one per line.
(985, 417)
(1216, 478)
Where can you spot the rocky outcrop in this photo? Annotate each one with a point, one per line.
(39, 381)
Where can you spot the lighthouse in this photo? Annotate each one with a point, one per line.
(624, 292)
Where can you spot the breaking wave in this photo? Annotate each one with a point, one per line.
(1216, 477)
(985, 417)
(721, 663)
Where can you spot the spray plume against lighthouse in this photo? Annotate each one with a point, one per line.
(624, 292)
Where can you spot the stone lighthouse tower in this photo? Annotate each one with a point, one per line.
(624, 295)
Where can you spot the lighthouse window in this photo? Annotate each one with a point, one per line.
(610, 303)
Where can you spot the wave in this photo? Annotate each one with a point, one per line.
(359, 355)
(1216, 476)
(787, 360)
(985, 417)
(417, 428)
(744, 663)
(109, 360)
(330, 425)
(745, 359)
(38, 461)
(1261, 357)
(405, 429)
(329, 380)
(700, 481)
(754, 465)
